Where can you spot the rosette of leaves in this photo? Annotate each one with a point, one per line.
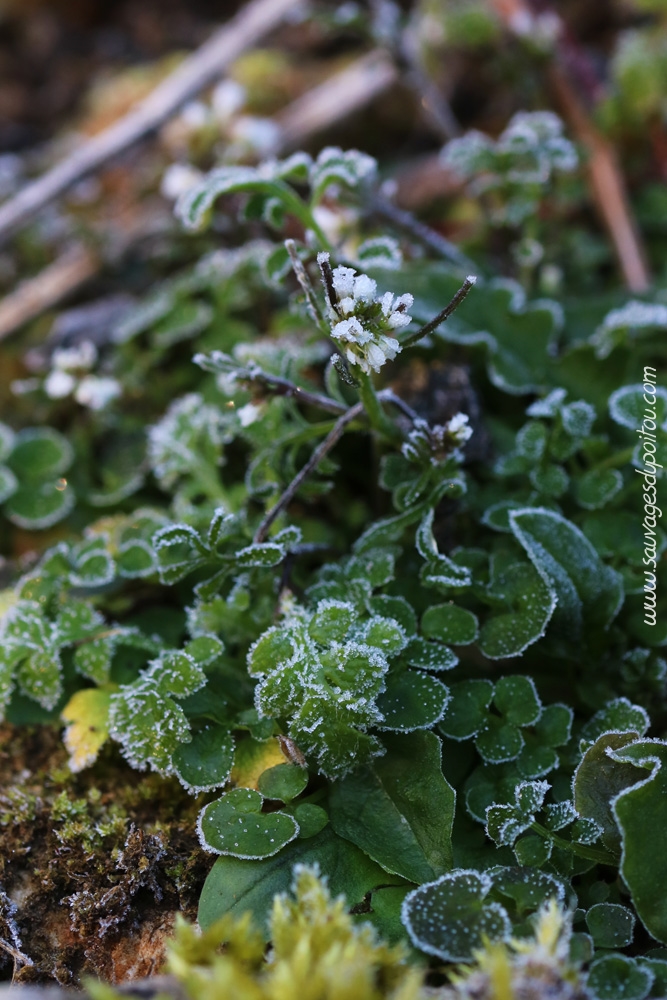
(33, 489)
(321, 672)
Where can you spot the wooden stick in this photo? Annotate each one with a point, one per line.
(197, 71)
(35, 295)
(607, 185)
(335, 98)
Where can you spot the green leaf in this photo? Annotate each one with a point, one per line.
(599, 779)
(499, 741)
(7, 438)
(92, 565)
(550, 480)
(614, 976)
(283, 782)
(40, 677)
(397, 608)
(93, 659)
(400, 815)
(39, 505)
(40, 453)
(530, 601)
(429, 655)
(466, 712)
(589, 592)
(178, 550)
(206, 761)
(641, 814)
(627, 406)
(439, 571)
(412, 700)
(517, 699)
(597, 487)
(618, 715)
(311, 819)
(349, 168)
(449, 623)
(265, 555)
(234, 824)
(451, 917)
(610, 925)
(234, 886)
(331, 621)
(8, 483)
(135, 559)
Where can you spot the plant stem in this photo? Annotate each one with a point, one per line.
(322, 449)
(372, 405)
(443, 315)
(602, 857)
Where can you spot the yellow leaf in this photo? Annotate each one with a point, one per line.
(87, 713)
(252, 757)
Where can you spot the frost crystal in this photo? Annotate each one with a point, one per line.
(360, 320)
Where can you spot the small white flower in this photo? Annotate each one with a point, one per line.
(375, 356)
(386, 303)
(227, 99)
(343, 281)
(397, 320)
(84, 355)
(248, 414)
(347, 305)
(351, 330)
(391, 347)
(458, 428)
(95, 391)
(177, 179)
(59, 384)
(365, 289)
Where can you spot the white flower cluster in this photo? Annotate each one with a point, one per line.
(437, 443)
(361, 321)
(70, 374)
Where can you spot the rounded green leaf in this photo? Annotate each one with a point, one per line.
(311, 819)
(206, 761)
(412, 700)
(532, 851)
(40, 505)
(550, 480)
(530, 602)
(627, 406)
(234, 824)
(597, 487)
(615, 976)
(429, 655)
(466, 711)
(397, 608)
(331, 621)
(450, 917)
(8, 483)
(449, 623)
(610, 925)
(135, 559)
(40, 453)
(497, 515)
(499, 742)
(283, 782)
(517, 699)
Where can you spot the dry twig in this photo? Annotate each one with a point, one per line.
(197, 71)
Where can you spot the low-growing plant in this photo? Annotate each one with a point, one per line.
(415, 641)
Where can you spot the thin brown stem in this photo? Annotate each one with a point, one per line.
(286, 388)
(312, 304)
(429, 237)
(320, 452)
(443, 315)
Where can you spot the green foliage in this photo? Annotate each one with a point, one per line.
(298, 556)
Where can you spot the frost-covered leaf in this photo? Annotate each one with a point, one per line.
(466, 712)
(504, 823)
(412, 700)
(265, 555)
(92, 564)
(178, 550)
(627, 324)
(451, 917)
(206, 761)
(449, 623)
(630, 404)
(39, 454)
(150, 726)
(379, 251)
(439, 571)
(235, 825)
(93, 659)
(429, 655)
(597, 487)
(135, 559)
(8, 483)
(401, 816)
(610, 925)
(613, 976)
(588, 591)
(283, 782)
(599, 779)
(40, 677)
(517, 700)
(40, 505)
(530, 602)
(641, 814)
(619, 716)
(331, 621)
(347, 168)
